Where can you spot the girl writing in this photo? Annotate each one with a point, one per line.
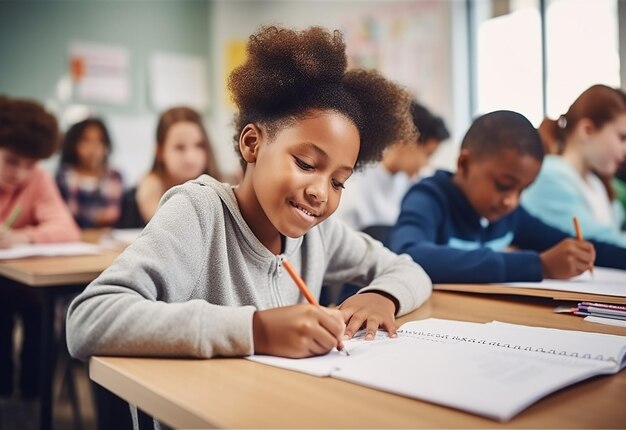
(205, 278)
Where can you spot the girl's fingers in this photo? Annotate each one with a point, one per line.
(371, 328)
(354, 325)
(390, 326)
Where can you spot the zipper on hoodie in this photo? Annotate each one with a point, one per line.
(276, 280)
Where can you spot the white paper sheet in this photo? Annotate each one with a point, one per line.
(49, 250)
(611, 282)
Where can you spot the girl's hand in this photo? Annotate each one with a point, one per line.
(568, 258)
(297, 331)
(10, 238)
(370, 310)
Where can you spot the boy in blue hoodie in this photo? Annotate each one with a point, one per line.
(462, 227)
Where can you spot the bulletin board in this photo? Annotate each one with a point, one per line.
(407, 43)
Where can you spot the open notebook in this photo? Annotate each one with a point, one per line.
(492, 369)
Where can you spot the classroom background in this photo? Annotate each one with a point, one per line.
(126, 61)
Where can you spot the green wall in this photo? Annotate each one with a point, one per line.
(35, 37)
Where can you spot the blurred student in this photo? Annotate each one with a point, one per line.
(376, 192)
(89, 186)
(183, 152)
(31, 211)
(589, 143)
(460, 226)
(206, 276)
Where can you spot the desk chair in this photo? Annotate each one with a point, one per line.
(129, 215)
(66, 371)
(378, 232)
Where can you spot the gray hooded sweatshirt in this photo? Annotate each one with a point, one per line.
(191, 282)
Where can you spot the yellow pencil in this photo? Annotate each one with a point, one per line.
(15, 213)
(579, 235)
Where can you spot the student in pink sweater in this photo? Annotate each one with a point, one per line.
(32, 205)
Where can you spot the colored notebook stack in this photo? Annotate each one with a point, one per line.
(602, 313)
(603, 310)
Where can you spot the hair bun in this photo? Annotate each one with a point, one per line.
(284, 64)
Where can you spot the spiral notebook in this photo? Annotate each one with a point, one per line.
(494, 369)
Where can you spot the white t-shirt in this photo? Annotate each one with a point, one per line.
(373, 197)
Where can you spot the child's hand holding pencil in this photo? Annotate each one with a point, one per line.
(298, 331)
(570, 257)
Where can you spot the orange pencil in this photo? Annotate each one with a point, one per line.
(306, 293)
(300, 283)
(579, 235)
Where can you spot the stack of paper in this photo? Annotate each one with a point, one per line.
(601, 310)
(603, 313)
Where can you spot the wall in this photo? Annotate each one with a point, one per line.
(237, 19)
(35, 37)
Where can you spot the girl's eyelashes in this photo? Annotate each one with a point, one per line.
(338, 184)
(307, 167)
(301, 164)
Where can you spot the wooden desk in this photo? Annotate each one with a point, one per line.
(52, 277)
(236, 393)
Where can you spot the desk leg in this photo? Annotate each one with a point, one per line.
(46, 360)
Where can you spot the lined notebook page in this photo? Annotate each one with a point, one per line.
(494, 369)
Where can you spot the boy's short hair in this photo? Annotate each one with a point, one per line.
(430, 126)
(27, 129)
(502, 129)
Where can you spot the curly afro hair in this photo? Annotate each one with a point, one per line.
(27, 129)
(290, 74)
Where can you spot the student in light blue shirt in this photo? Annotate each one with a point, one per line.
(587, 143)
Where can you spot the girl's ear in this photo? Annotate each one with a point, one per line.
(585, 128)
(249, 142)
(463, 161)
(159, 153)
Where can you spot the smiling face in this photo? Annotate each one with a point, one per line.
(493, 183)
(294, 181)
